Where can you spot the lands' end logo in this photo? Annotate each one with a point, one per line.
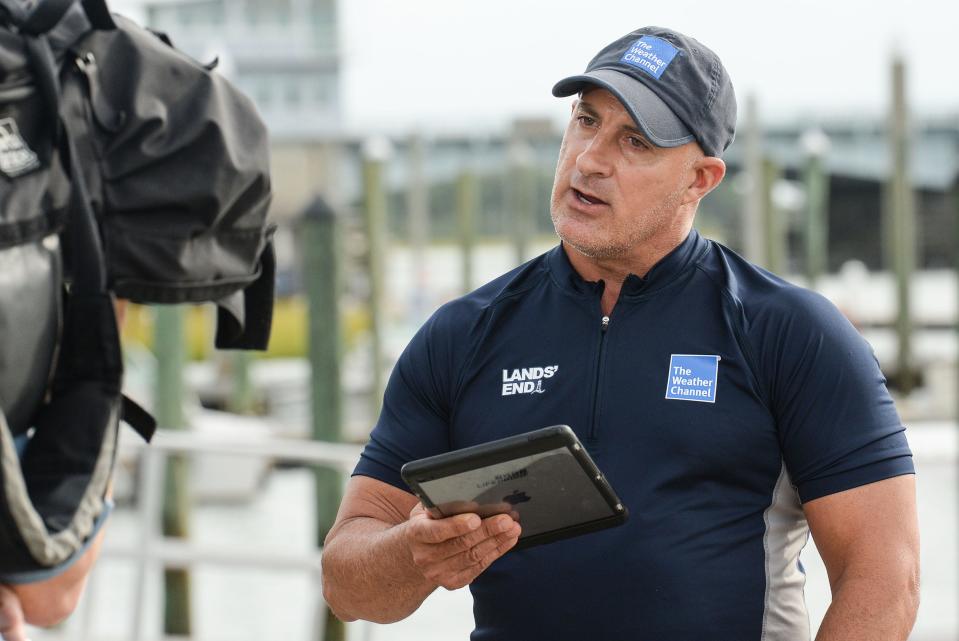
(527, 380)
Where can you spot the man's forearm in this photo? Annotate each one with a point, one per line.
(368, 573)
(49, 602)
(865, 609)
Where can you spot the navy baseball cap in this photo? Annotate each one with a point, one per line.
(676, 89)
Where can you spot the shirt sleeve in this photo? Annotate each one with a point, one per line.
(838, 426)
(414, 419)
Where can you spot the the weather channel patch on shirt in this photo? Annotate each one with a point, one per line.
(692, 377)
(651, 54)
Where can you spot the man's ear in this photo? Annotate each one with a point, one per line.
(707, 173)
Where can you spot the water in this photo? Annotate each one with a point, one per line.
(258, 605)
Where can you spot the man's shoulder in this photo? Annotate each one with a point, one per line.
(761, 295)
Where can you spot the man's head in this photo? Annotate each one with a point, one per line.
(655, 111)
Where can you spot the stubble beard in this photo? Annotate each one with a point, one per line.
(615, 241)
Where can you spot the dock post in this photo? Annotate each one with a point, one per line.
(752, 221)
(241, 386)
(815, 145)
(774, 223)
(375, 154)
(521, 186)
(466, 206)
(418, 206)
(320, 267)
(901, 226)
(171, 355)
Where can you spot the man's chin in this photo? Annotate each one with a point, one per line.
(591, 247)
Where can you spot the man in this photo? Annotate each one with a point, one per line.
(732, 412)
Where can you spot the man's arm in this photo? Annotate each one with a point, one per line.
(385, 554)
(868, 538)
(49, 602)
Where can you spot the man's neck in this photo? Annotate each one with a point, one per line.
(614, 270)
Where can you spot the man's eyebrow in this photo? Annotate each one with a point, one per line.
(634, 130)
(590, 111)
(587, 108)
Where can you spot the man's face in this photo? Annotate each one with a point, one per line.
(614, 191)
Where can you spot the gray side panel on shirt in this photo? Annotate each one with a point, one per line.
(784, 613)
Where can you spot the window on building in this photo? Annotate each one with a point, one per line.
(323, 86)
(204, 13)
(292, 93)
(260, 13)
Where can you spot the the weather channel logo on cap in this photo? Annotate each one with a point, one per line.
(651, 54)
(692, 377)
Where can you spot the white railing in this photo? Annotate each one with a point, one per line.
(153, 549)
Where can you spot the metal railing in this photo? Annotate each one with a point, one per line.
(153, 549)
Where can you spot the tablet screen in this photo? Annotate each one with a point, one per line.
(544, 491)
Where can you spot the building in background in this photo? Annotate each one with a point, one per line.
(281, 53)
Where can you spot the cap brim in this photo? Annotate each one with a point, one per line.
(651, 114)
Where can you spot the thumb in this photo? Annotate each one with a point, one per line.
(419, 512)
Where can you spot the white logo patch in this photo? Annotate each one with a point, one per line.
(16, 157)
(527, 380)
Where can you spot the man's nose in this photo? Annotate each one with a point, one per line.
(594, 159)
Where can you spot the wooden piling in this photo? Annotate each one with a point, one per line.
(467, 203)
(901, 226)
(418, 206)
(815, 145)
(320, 266)
(170, 349)
(521, 198)
(773, 221)
(376, 152)
(752, 223)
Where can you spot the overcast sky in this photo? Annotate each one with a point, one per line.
(454, 64)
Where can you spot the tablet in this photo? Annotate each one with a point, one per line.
(545, 479)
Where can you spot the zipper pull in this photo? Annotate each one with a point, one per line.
(103, 112)
(605, 323)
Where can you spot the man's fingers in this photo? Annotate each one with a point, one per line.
(11, 616)
(480, 552)
(492, 549)
(492, 527)
(429, 530)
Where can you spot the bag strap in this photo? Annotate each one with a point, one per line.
(138, 418)
(48, 14)
(24, 231)
(89, 268)
(99, 14)
(44, 68)
(45, 16)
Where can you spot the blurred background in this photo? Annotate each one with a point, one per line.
(413, 151)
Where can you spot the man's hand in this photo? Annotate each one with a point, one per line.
(451, 552)
(12, 625)
(385, 554)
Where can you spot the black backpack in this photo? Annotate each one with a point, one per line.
(125, 167)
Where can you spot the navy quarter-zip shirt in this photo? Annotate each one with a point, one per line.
(716, 398)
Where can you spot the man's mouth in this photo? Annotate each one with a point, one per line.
(587, 198)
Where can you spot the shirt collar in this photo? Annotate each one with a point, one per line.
(662, 273)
